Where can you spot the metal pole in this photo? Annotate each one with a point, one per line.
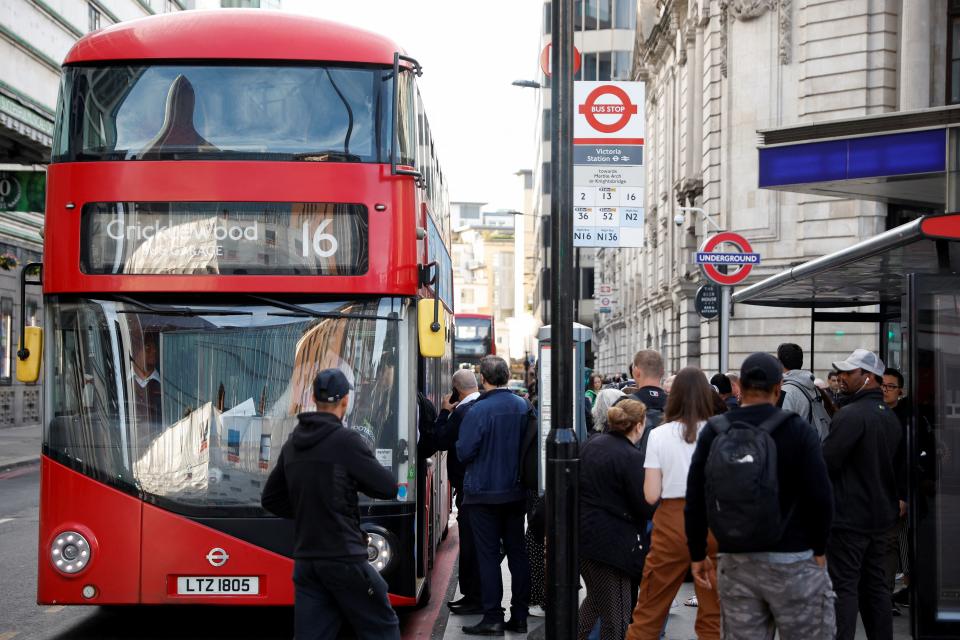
(562, 470)
(724, 329)
(813, 346)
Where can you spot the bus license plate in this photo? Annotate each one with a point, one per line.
(218, 586)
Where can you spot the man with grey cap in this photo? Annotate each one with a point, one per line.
(863, 451)
(771, 539)
(315, 482)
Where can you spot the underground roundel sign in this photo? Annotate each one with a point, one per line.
(738, 262)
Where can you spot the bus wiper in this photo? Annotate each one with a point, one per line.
(327, 155)
(299, 311)
(173, 311)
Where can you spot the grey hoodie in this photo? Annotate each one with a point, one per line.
(793, 398)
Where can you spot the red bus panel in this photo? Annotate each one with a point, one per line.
(392, 231)
(110, 519)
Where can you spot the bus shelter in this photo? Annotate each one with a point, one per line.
(906, 283)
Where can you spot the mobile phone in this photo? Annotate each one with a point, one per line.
(454, 395)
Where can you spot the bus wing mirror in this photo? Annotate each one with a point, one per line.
(30, 354)
(430, 323)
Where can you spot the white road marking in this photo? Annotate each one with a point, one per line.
(6, 635)
(2, 520)
(56, 609)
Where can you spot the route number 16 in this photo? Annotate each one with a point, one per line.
(324, 244)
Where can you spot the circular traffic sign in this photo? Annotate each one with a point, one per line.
(590, 109)
(742, 269)
(545, 60)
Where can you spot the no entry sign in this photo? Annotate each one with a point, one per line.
(741, 259)
(545, 61)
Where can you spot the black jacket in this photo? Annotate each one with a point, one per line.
(865, 455)
(443, 437)
(613, 511)
(321, 467)
(805, 498)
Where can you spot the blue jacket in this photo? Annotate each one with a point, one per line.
(491, 435)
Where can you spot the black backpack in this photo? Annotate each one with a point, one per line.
(742, 489)
(528, 469)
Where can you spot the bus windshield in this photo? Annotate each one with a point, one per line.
(222, 112)
(473, 328)
(190, 404)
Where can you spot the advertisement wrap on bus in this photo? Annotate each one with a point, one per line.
(210, 249)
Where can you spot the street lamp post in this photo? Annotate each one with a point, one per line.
(562, 472)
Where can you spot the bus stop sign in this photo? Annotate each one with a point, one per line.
(741, 259)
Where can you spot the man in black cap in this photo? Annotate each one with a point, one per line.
(771, 568)
(315, 482)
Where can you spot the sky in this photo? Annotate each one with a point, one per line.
(483, 127)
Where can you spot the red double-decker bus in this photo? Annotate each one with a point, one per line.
(474, 339)
(236, 200)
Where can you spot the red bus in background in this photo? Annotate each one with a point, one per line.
(236, 200)
(473, 339)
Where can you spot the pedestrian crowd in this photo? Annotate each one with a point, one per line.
(781, 495)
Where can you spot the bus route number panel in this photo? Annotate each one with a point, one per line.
(224, 238)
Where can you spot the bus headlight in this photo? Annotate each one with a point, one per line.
(379, 549)
(70, 552)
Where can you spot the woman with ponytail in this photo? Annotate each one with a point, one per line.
(669, 452)
(613, 515)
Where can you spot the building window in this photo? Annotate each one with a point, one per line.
(546, 178)
(953, 52)
(589, 66)
(577, 15)
(605, 63)
(6, 340)
(621, 65)
(546, 124)
(93, 17)
(547, 18)
(603, 15)
(625, 14)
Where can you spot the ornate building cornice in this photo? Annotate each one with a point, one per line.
(747, 10)
(786, 30)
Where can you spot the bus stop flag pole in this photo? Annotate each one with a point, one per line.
(562, 463)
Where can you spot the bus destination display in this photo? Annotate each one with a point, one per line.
(224, 238)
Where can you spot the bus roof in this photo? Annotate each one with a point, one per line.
(233, 34)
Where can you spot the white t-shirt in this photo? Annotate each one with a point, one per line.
(669, 452)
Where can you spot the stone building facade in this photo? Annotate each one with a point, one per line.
(34, 39)
(717, 72)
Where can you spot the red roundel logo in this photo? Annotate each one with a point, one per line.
(621, 106)
(741, 260)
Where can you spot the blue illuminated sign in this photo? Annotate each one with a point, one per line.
(895, 154)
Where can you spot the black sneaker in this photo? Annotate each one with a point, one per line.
(485, 629)
(516, 626)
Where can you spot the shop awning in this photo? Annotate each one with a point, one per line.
(898, 157)
(867, 273)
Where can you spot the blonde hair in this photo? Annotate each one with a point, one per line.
(622, 417)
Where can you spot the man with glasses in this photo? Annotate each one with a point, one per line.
(892, 388)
